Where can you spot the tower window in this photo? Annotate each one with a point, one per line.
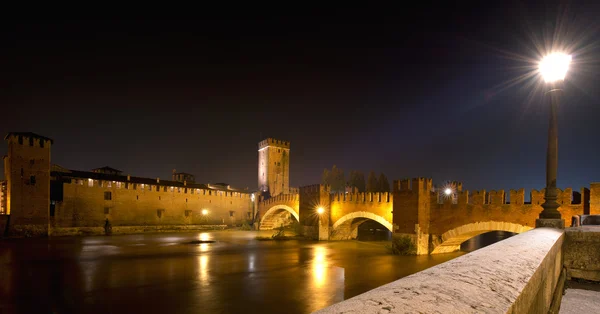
(106, 210)
(20, 139)
(42, 143)
(107, 196)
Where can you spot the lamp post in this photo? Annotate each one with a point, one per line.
(323, 224)
(553, 69)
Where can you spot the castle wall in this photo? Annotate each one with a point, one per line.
(88, 206)
(27, 171)
(594, 197)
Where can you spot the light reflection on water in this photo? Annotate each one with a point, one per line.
(236, 274)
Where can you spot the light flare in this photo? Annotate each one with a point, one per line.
(554, 66)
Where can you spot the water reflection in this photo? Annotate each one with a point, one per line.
(251, 259)
(236, 274)
(319, 266)
(205, 236)
(203, 269)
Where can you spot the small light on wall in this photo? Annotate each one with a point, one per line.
(320, 210)
(205, 212)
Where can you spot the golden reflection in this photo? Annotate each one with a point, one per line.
(204, 247)
(251, 263)
(205, 236)
(203, 269)
(319, 266)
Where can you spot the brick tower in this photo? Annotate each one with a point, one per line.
(27, 172)
(274, 166)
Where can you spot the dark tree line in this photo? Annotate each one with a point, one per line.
(356, 181)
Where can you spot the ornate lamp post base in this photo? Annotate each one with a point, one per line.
(550, 223)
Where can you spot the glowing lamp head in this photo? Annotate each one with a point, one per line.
(205, 212)
(448, 191)
(320, 210)
(554, 66)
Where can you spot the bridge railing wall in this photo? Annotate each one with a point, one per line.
(491, 279)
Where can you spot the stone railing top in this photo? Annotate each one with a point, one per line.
(490, 280)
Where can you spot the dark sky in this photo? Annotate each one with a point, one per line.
(419, 92)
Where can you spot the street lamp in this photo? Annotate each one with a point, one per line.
(448, 191)
(553, 69)
(320, 210)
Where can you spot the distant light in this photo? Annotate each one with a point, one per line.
(205, 212)
(448, 191)
(320, 210)
(554, 66)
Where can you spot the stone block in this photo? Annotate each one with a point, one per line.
(550, 223)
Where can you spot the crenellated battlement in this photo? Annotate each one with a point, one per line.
(157, 188)
(281, 198)
(516, 197)
(363, 197)
(413, 185)
(273, 142)
(313, 188)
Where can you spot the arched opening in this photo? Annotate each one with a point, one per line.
(451, 240)
(371, 230)
(278, 216)
(368, 226)
(480, 241)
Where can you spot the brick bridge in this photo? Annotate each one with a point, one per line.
(415, 209)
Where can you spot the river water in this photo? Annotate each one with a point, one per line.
(164, 273)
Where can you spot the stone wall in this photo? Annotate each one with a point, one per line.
(89, 206)
(472, 208)
(27, 171)
(274, 206)
(349, 210)
(594, 199)
(521, 274)
(582, 252)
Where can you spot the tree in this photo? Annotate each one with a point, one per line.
(360, 181)
(325, 178)
(357, 180)
(384, 184)
(372, 184)
(337, 179)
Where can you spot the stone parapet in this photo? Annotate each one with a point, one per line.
(582, 253)
(517, 275)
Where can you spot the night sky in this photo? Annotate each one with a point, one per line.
(419, 92)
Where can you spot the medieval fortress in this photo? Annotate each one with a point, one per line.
(40, 199)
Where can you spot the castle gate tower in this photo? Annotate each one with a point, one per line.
(274, 166)
(27, 172)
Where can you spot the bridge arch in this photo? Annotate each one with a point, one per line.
(271, 216)
(451, 240)
(346, 227)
